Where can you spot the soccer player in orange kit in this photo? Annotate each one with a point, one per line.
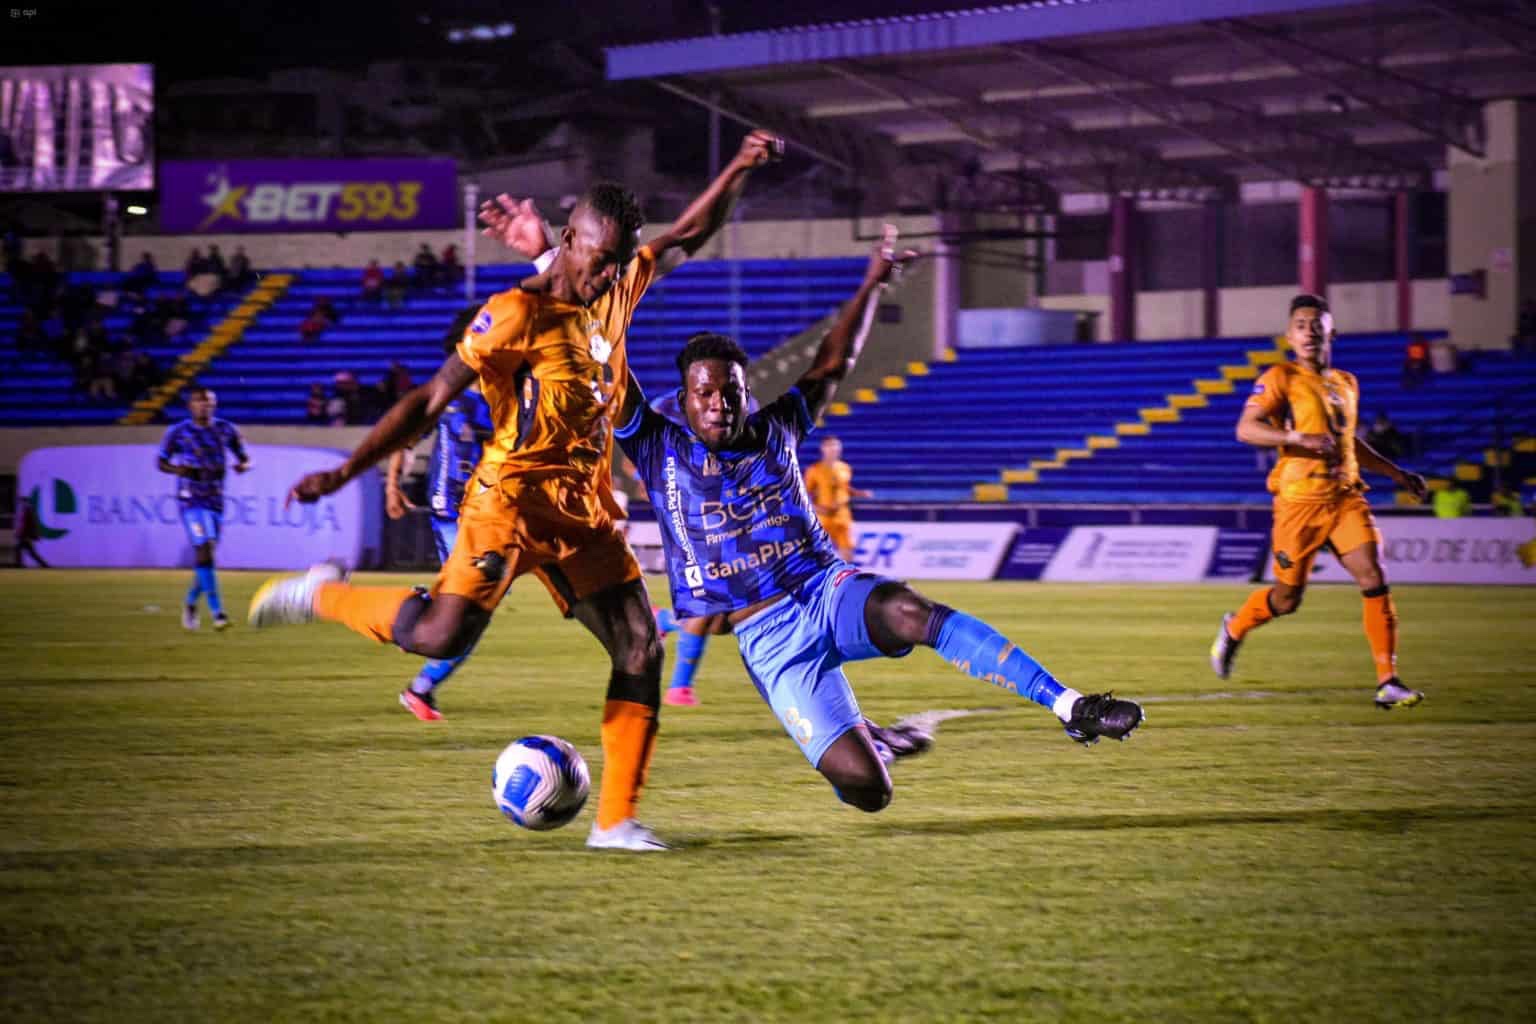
(550, 358)
(1309, 409)
(830, 484)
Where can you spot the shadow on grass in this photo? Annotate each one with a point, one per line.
(1351, 819)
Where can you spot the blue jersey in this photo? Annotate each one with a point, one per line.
(460, 437)
(187, 444)
(737, 525)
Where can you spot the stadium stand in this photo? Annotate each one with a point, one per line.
(39, 388)
(265, 378)
(1127, 422)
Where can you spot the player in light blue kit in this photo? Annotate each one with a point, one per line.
(457, 443)
(193, 452)
(742, 537)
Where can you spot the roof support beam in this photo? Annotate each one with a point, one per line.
(1501, 25)
(1455, 120)
(1113, 169)
(1308, 155)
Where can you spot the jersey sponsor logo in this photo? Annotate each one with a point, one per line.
(482, 322)
(843, 574)
(693, 576)
(750, 506)
(764, 555)
(677, 519)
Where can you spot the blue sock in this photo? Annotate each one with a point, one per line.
(665, 620)
(436, 672)
(209, 586)
(981, 652)
(690, 649)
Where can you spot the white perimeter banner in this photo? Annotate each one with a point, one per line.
(109, 506)
(1133, 554)
(1426, 550)
(914, 551)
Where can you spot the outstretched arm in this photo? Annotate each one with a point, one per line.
(1373, 461)
(841, 345)
(709, 211)
(396, 504)
(405, 421)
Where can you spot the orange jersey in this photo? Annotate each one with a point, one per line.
(1296, 398)
(831, 487)
(554, 376)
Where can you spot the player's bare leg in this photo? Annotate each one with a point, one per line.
(856, 770)
(899, 618)
(1380, 621)
(623, 622)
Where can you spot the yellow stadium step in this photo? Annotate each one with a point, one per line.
(989, 492)
(866, 395)
(1468, 471)
(893, 383)
(1266, 357)
(1207, 386)
(916, 369)
(1246, 371)
(1161, 414)
(1098, 441)
(1495, 457)
(1132, 429)
(1437, 483)
(838, 409)
(222, 335)
(1188, 401)
(1020, 476)
(1526, 444)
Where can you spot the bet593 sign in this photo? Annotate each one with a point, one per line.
(239, 196)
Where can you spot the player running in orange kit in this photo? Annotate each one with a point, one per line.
(1309, 410)
(550, 358)
(830, 484)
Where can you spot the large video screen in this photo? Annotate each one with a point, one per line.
(88, 127)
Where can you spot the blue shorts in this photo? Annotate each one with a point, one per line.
(794, 651)
(444, 533)
(203, 525)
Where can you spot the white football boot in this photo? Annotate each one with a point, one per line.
(290, 600)
(628, 834)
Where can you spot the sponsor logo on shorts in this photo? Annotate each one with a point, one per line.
(1282, 559)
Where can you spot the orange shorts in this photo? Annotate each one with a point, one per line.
(545, 527)
(840, 530)
(1301, 529)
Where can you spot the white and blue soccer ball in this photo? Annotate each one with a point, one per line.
(540, 782)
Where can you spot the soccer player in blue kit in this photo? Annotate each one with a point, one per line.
(458, 439)
(742, 537)
(193, 452)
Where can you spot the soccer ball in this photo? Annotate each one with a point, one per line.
(540, 782)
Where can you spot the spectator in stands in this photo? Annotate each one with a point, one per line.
(313, 325)
(373, 282)
(327, 308)
(314, 406)
(196, 264)
(450, 272)
(424, 268)
(201, 278)
(1524, 341)
(217, 266)
(397, 381)
(28, 529)
(1444, 357)
(142, 277)
(1506, 501)
(1452, 501)
(1415, 362)
(135, 373)
(241, 274)
(100, 381)
(346, 405)
(1386, 438)
(30, 336)
(395, 287)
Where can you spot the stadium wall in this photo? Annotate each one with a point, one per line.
(1360, 306)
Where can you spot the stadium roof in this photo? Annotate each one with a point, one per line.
(1009, 106)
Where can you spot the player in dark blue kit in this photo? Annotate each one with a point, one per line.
(458, 439)
(742, 537)
(193, 452)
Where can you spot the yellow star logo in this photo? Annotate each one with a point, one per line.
(225, 203)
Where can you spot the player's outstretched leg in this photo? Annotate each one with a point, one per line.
(290, 600)
(897, 617)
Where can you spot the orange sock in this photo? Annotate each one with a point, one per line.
(1381, 631)
(370, 611)
(629, 738)
(1253, 614)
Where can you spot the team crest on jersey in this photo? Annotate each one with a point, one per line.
(1258, 388)
(711, 465)
(598, 347)
(482, 322)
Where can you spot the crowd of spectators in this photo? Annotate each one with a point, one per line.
(345, 402)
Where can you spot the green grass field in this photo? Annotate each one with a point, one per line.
(247, 826)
